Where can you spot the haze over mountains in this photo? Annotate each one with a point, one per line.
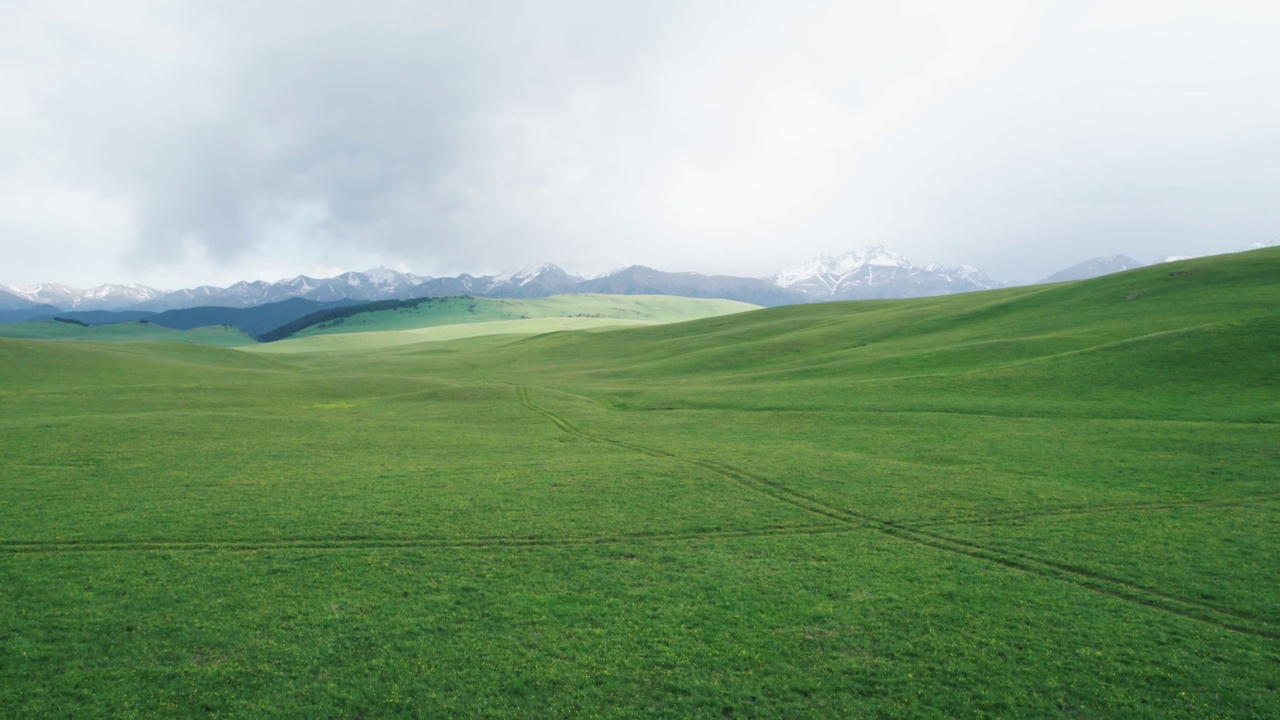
(870, 273)
(1097, 267)
(873, 272)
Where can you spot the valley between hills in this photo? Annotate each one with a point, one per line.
(1051, 500)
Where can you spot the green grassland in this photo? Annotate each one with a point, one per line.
(356, 340)
(456, 318)
(466, 310)
(219, 335)
(1036, 502)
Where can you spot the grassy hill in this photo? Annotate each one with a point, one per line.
(371, 340)
(435, 312)
(220, 335)
(1124, 343)
(1049, 501)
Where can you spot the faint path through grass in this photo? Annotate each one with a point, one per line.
(1237, 502)
(1105, 585)
(339, 543)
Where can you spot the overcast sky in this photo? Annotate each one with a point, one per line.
(179, 143)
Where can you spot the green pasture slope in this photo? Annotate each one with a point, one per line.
(437, 312)
(455, 318)
(1036, 502)
(357, 340)
(220, 335)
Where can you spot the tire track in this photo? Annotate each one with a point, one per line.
(1108, 586)
(755, 482)
(18, 547)
(1103, 577)
(1237, 502)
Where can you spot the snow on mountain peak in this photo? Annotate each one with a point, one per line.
(878, 255)
(529, 273)
(840, 266)
(384, 277)
(614, 270)
(102, 297)
(875, 272)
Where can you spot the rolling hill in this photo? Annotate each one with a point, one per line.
(220, 335)
(1029, 502)
(377, 339)
(1178, 318)
(437, 311)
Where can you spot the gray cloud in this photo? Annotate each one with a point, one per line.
(181, 142)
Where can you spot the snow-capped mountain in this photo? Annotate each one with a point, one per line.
(18, 309)
(872, 272)
(102, 297)
(534, 280)
(382, 282)
(641, 280)
(10, 300)
(537, 280)
(875, 272)
(1097, 267)
(375, 284)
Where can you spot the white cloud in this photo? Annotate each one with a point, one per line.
(177, 143)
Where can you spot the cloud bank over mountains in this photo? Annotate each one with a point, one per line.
(174, 143)
(873, 272)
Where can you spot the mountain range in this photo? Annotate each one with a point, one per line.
(1097, 267)
(873, 272)
(102, 297)
(869, 273)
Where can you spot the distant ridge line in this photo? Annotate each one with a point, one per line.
(873, 272)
